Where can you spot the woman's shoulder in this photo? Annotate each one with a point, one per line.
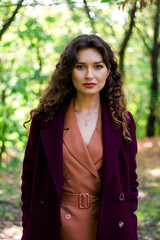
(38, 122)
(130, 119)
(131, 126)
(37, 119)
(44, 120)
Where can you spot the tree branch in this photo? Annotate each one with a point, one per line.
(11, 19)
(88, 14)
(143, 39)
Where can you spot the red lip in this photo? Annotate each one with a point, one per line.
(89, 85)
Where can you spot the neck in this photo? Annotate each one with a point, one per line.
(86, 104)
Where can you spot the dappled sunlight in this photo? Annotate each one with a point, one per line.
(148, 144)
(142, 194)
(12, 232)
(148, 156)
(148, 160)
(2, 191)
(154, 172)
(33, 35)
(151, 184)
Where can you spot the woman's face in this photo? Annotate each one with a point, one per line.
(90, 73)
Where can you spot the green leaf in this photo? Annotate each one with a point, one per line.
(50, 19)
(105, 1)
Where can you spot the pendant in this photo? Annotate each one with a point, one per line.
(86, 124)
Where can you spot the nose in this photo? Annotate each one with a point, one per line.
(89, 73)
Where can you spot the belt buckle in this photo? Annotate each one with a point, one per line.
(84, 200)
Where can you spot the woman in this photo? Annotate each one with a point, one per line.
(79, 179)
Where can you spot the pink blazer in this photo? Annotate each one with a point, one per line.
(81, 174)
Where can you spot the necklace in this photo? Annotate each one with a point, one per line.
(86, 120)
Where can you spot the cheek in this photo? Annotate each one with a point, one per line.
(103, 83)
(103, 77)
(102, 80)
(77, 76)
(75, 79)
(74, 74)
(107, 73)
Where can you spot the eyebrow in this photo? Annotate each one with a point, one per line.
(93, 62)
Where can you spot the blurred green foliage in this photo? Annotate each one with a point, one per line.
(31, 46)
(29, 51)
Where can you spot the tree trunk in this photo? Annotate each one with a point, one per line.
(11, 19)
(127, 36)
(3, 148)
(154, 85)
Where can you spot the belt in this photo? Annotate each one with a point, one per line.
(82, 200)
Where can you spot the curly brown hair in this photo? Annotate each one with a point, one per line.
(61, 89)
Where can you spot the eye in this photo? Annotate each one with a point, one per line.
(80, 67)
(98, 66)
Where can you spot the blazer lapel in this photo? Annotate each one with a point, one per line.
(112, 136)
(75, 144)
(95, 146)
(52, 141)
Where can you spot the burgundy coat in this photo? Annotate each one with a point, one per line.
(42, 181)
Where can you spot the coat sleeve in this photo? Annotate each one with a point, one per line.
(28, 169)
(133, 176)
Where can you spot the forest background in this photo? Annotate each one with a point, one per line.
(33, 33)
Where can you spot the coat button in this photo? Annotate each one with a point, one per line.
(42, 200)
(121, 197)
(121, 224)
(67, 176)
(68, 216)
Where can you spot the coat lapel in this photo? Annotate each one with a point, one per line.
(112, 136)
(52, 141)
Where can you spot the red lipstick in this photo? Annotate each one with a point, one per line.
(89, 85)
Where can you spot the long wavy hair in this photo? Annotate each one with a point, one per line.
(61, 90)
